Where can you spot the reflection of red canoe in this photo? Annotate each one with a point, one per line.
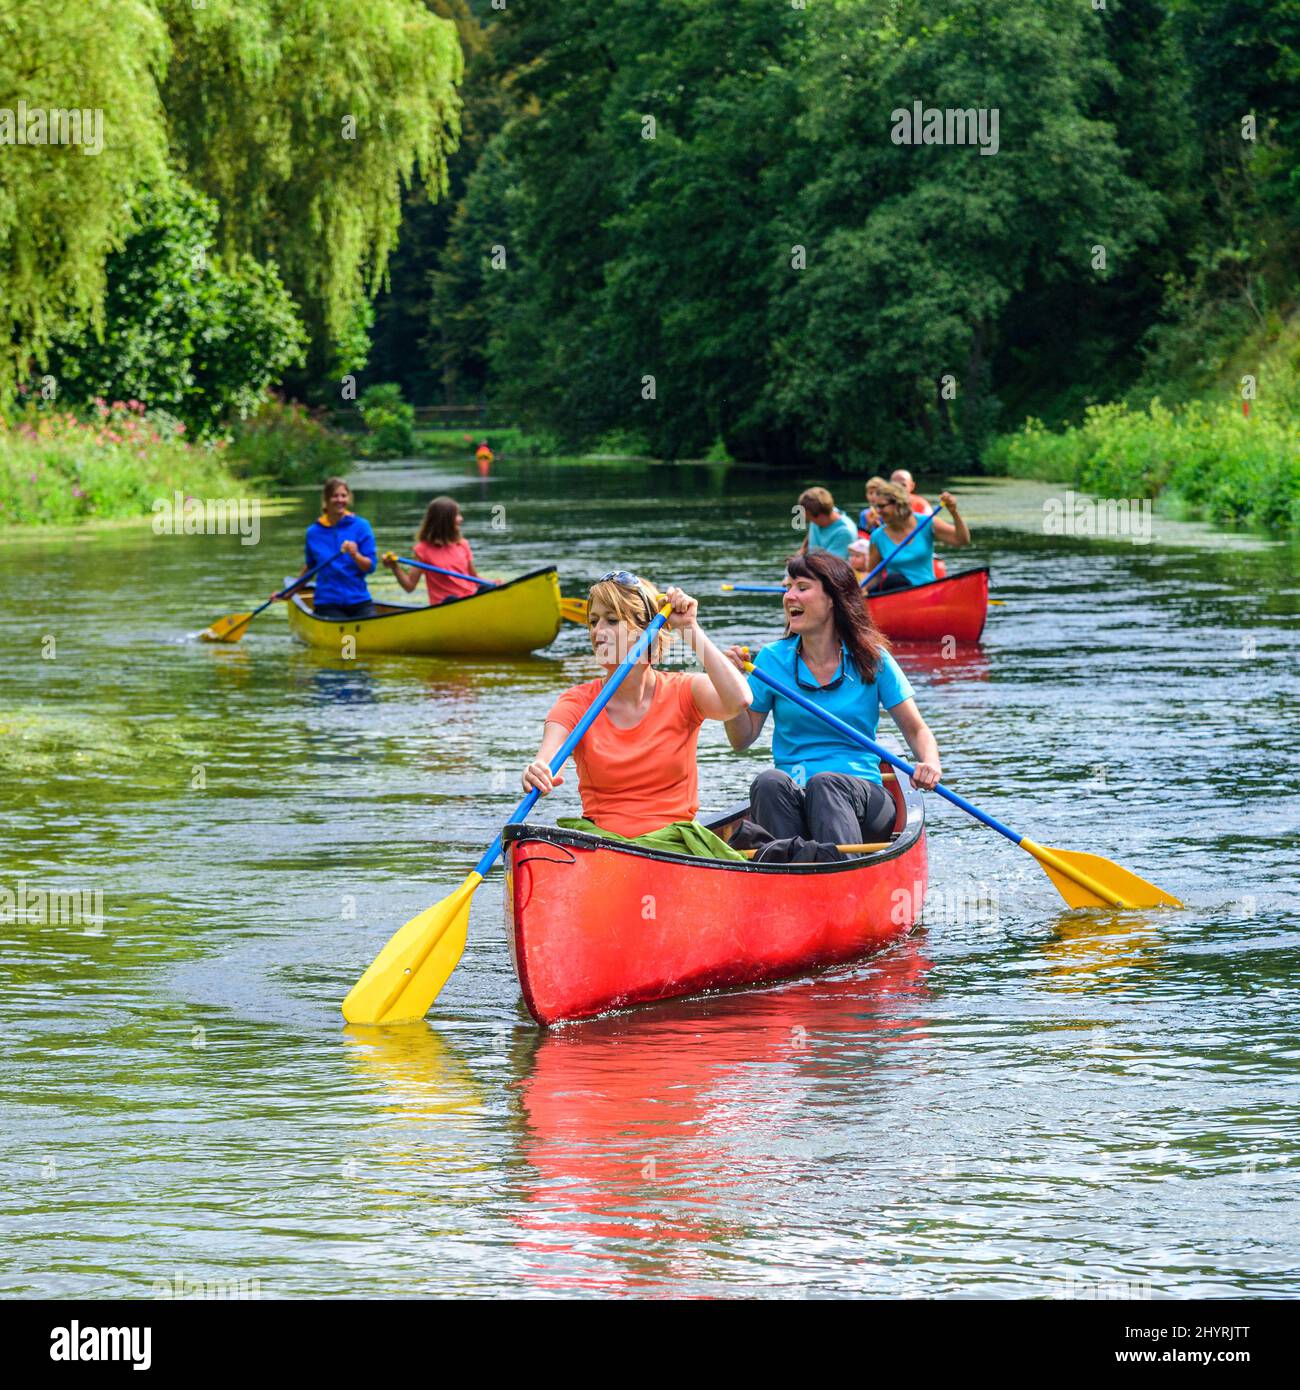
(648, 1132)
(598, 925)
(955, 607)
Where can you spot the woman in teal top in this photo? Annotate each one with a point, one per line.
(823, 786)
(915, 564)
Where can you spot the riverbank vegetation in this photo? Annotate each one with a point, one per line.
(227, 232)
(58, 469)
(677, 228)
(1225, 459)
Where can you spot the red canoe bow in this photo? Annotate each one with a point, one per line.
(598, 924)
(955, 607)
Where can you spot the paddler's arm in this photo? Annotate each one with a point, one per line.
(363, 562)
(743, 728)
(279, 594)
(408, 579)
(954, 532)
(538, 772)
(722, 691)
(925, 751)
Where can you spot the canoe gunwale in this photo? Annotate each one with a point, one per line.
(929, 584)
(561, 838)
(404, 610)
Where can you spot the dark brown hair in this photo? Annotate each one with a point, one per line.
(439, 526)
(853, 626)
(331, 484)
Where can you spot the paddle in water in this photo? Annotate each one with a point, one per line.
(1083, 880)
(232, 629)
(408, 974)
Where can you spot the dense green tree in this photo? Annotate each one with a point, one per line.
(412, 344)
(63, 208)
(304, 119)
(709, 195)
(918, 252)
(182, 331)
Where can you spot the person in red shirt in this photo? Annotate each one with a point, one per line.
(636, 765)
(904, 479)
(439, 543)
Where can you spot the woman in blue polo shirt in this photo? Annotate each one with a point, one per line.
(341, 590)
(824, 787)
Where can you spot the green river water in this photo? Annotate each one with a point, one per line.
(1019, 1101)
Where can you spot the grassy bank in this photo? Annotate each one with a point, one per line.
(56, 469)
(114, 460)
(1208, 456)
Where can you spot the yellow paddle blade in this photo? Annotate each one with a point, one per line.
(406, 977)
(229, 629)
(574, 610)
(1088, 880)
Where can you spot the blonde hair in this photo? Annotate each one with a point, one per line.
(636, 607)
(893, 492)
(875, 484)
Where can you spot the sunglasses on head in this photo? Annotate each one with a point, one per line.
(625, 579)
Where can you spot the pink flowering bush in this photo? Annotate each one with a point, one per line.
(113, 460)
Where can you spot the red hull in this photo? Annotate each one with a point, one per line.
(955, 607)
(597, 925)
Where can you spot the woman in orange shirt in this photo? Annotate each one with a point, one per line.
(636, 765)
(439, 543)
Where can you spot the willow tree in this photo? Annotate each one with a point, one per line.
(303, 119)
(64, 207)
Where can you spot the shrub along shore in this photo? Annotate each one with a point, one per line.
(1213, 461)
(59, 467)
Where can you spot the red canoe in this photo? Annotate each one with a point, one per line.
(596, 924)
(955, 607)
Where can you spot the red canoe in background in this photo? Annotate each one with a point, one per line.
(955, 607)
(597, 924)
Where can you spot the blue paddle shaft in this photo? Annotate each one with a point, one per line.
(862, 583)
(521, 811)
(297, 584)
(451, 574)
(911, 536)
(858, 737)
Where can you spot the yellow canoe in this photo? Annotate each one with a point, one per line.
(517, 617)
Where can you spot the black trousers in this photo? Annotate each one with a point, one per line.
(346, 611)
(889, 580)
(834, 808)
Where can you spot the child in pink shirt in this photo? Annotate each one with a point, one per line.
(439, 543)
